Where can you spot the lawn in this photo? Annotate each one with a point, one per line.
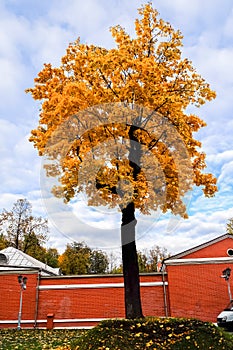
(37, 339)
(147, 334)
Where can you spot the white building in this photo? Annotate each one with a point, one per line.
(12, 259)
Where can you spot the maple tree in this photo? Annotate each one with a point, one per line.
(113, 124)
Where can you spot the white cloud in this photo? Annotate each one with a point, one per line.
(198, 229)
(224, 156)
(226, 178)
(91, 20)
(228, 27)
(191, 17)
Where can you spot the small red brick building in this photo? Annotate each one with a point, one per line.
(189, 285)
(195, 286)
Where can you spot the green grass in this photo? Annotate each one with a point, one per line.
(37, 339)
(147, 334)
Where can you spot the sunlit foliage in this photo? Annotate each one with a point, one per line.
(146, 70)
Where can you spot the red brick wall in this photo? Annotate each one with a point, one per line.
(197, 290)
(74, 304)
(218, 249)
(10, 297)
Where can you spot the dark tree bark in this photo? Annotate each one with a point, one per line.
(133, 308)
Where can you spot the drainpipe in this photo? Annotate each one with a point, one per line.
(162, 269)
(37, 298)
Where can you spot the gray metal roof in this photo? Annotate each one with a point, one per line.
(12, 258)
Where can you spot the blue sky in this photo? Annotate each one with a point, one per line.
(36, 32)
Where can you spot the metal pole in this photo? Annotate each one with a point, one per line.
(20, 307)
(164, 293)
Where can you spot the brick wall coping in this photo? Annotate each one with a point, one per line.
(33, 270)
(106, 275)
(56, 320)
(98, 285)
(195, 261)
(75, 323)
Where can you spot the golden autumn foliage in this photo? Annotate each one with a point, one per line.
(113, 122)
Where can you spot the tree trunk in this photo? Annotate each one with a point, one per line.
(133, 307)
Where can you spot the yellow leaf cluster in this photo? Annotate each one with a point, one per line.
(90, 145)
